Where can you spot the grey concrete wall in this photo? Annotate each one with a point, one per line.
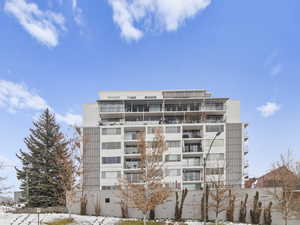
(91, 158)
(234, 154)
(191, 209)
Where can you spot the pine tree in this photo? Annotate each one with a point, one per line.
(40, 175)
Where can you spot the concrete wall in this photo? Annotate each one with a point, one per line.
(90, 114)
(234, 154)
(91, 158)
(233, 111)
(191, 209)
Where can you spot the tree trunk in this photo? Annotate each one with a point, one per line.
(144, 219)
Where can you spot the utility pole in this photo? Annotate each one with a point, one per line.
(204, 175)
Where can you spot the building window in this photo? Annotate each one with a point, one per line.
(111, 145)
(111, 174)
(217, 156)
(153, 130)
(107, 200)
(111, 107)
(111, 131)
(215, 171)
(217, 143)
(111, 160)
(173, 158)
(173, 172)
(109, 188)
(173, 130)
(173, 144)
(214, 128)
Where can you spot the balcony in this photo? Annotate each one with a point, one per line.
(191, 176)
(132, 136)
(246, 149)
(246, 164)
(132, 165)
(191, 162)
(192, 148)
(131, 150)
(133, 178)
(192, 134)
(246, 137)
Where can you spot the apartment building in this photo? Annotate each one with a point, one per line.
(189, 121)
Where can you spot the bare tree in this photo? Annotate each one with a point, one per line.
(283, 181)
(151, 190)
(219, 193)
(71, 171)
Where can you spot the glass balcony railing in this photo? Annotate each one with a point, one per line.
(131, 136)
(133, 178)
(191, 135)
(190, 163)
(131, 150)
(191, 176)
(132, 165)
(192, 148)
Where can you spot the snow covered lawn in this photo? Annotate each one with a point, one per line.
(32, 219)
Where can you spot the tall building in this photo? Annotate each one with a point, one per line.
(189, 120)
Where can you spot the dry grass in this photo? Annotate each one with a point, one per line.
(64, 221)
(128, 222)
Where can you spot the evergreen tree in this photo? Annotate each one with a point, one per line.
(40, 175)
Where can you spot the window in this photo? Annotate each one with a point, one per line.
(217, 143)
(153, 130)
(214, 128)
(173, 172)
(173, 158)
(111, 145)
(107, 200)
(172, 130)
(173, 144)
(109, 187)
(215, 171)
(111, 160)
(111, 174)
(218, 156)
(111, 131)
(111, 107)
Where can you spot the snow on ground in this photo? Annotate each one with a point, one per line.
(32, 219)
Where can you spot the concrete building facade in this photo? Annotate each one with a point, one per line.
(188, 119)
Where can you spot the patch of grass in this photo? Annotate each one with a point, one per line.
(130, 222)
(134, 222)
(64, 221)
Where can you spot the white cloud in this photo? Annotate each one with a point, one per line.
(14, 97)
(6, 162)
(45, 26)
(168, 15)
(276, 69)
(269, 109)
(69, 118)
(77, 12)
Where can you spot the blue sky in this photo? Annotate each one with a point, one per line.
(59, 53)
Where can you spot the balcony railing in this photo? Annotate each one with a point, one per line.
(131, 136)
(192, 148)
(132, 165)
(133, 178)
(246, 149)
(191, 135)
(191, 176)
(131, 150)
(190, 163)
